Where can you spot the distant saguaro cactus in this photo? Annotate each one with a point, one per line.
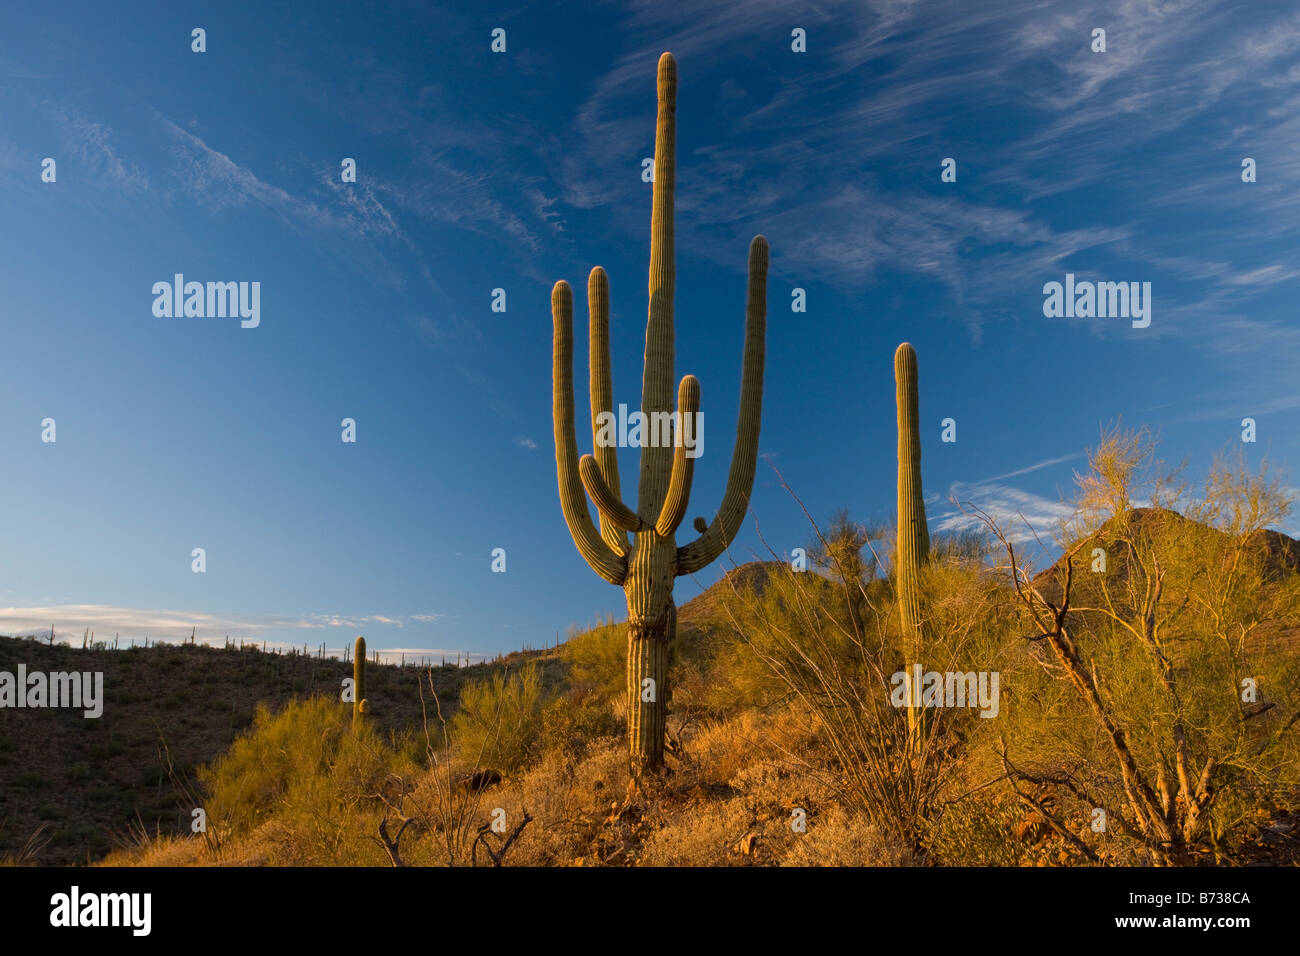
(359, 703)
(647, 567)
(913, 534)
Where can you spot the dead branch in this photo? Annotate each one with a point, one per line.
(499, 854)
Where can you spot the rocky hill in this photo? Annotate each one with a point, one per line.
(1176, 539)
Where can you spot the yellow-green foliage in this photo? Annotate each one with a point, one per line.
(1211, 653)
(597, 660)
(1183, 612)
(828, 638)
(308, 769)
(751, 660)
(499, 721)
(978, 830)
(571, 725)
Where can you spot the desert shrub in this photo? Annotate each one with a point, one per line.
(567, 795)
(980, 831)
(597, 660)
(1150, 659)
(720, 749)
(499, 721)
(734, 680)
(829, 639)
(453, 797)
(310, 771)
(570, 725)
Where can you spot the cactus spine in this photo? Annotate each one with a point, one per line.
(646, 567)
(913, 534)
(359, 703)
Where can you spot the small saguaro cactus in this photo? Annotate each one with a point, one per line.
(913, 534)
(646, 567)
(359, 703)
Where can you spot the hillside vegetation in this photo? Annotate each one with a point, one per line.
(1138, 702)
(77, 788)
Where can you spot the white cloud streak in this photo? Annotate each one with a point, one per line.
(1023, 516)
(106, 619)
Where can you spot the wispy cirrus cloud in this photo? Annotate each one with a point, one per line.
(358, 206)
(216, 181)
(888, 79)
(335, 218)
(92, 145)
(797, 142)
(105, 619)
(1037, 466)
(1023, 516)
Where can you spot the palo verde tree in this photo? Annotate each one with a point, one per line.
(646, 566)
(1171, 628)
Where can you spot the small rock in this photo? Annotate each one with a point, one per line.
(1031, 827)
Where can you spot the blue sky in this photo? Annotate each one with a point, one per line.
(479, 170)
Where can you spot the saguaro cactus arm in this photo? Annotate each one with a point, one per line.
(679, 485)
(610, 566)
(744, 457)
(913, 531)
(611, 508)
(657, 379)
(602, 402)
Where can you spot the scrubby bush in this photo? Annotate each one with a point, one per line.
(499, 721)
(1138, 703)
(308, 770)
(597, 660)
(570, 725)
(829, 639)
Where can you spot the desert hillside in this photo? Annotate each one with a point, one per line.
(538, 736)
(80, 787)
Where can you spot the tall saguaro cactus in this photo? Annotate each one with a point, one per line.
(646, 566)
(359, 703)
(913, 534)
